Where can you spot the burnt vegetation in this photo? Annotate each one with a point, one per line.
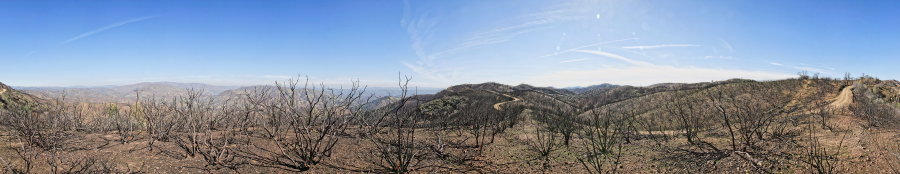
(794, 125)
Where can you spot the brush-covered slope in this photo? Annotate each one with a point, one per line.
(10, 96)
(650, 100)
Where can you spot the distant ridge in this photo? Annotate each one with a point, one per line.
(124, 93)
(592, 87)
(166, 90)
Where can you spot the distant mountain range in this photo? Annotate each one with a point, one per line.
(592, 87)
(167, 90)
(123, 93)
(128, 93)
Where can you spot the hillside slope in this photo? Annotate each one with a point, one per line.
(10, 96)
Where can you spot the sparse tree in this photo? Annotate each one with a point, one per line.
(688, 113)
(602, 138)
(394, 134)
(315, 118)
(819, 158)
(544, 142)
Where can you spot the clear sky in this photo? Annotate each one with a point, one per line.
(441, 43)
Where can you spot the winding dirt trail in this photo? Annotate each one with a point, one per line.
(499, 106)
(865, 145)
(844, 99)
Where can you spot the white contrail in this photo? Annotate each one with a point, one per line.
(644, 47)
(573, 60)
(104, 28)
(588, 45)
(812, 69)
(618, 57)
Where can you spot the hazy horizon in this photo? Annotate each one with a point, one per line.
(199, 83)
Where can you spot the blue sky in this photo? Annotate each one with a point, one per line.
(442, 43)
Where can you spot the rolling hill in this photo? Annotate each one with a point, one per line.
(730, 126)
(166, 90)
(10, 96)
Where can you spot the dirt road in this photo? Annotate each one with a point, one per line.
(844, 99)
(864, 145)
(499, 106)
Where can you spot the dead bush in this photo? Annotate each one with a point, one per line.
(397, 150)
(602, 139)
(315, 117)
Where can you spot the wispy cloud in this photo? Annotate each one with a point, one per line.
(776, 63)
(645, 47)
(726, 45)
(812, 69)
(617, 57)
(104, 28)
(419, 29)
(427, 73)
(574, 60)
(719, 57)
(496, 36)
(524, 24)
(433, 63)
(589, 45)
(644, 73)
(647, 75)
